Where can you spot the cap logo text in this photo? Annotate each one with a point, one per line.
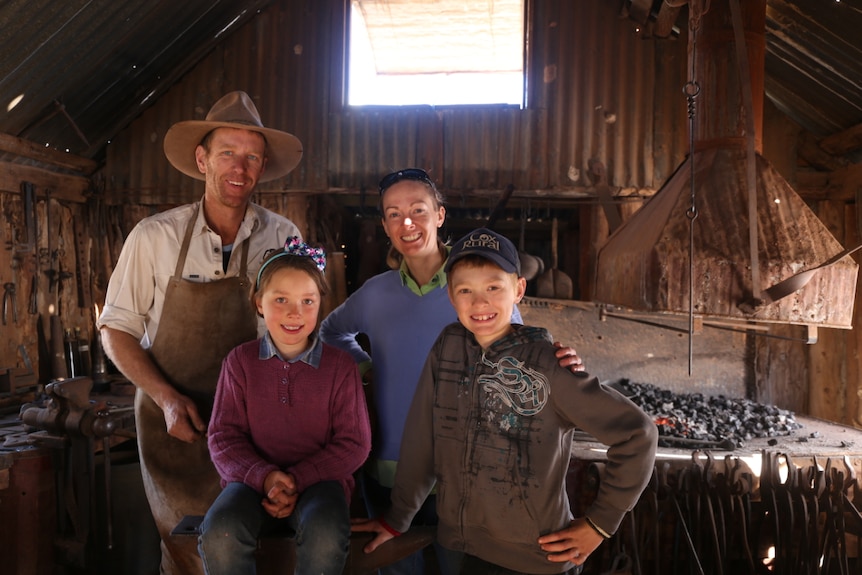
(483, 241)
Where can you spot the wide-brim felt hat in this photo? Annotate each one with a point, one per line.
(233, 110)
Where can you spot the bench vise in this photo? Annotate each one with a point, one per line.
(69, 412)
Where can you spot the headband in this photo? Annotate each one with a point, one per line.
(296, 247)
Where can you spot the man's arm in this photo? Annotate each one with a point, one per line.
(181, 416)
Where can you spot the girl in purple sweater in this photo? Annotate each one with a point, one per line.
(288, 430)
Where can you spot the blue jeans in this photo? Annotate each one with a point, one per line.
(377, 501)
(320, 526)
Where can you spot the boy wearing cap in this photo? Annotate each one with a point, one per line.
(492, 423)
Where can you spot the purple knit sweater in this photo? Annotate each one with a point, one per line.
(305, 417)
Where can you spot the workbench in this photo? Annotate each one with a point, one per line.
(62, 506)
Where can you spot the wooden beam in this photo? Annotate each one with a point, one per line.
(567, 193)
(844, 142)
(666, 19)
(812, 185)
(838, 185)
(33, 151)
(639, 10)
(63, 186)
(811, 151)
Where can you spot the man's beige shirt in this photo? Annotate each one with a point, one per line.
(136, 291)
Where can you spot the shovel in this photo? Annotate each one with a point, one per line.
(795, 282)
(554, 283)
(531, 266)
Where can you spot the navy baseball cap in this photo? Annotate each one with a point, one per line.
(487, 244)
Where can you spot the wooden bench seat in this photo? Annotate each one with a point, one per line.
(277, 555)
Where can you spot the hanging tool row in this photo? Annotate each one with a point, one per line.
(39, 265)
(36, 252)
(718, 517)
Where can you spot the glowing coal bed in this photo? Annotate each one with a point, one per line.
(689, 419)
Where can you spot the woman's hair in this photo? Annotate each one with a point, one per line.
(280, 260)
(393, 256)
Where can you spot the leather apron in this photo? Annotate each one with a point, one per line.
(200, 324)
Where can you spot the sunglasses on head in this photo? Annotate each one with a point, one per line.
(414, 174)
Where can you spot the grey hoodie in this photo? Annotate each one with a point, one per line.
(494, 430)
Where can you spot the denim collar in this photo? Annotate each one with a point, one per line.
(311, 356)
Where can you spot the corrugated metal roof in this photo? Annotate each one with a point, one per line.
(813, 56)
(86, 68)
(814, 62)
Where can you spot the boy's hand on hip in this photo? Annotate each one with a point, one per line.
(574, 543)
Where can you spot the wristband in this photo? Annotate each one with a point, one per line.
(387, 527)
(596, 528)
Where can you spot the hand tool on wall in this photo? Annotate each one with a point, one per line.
(12, 217)
(62, 276)
(9, 300)
(598, 175)
(531, 266)
(83, 267)
(500, 208)
(58, 350)
(29, 192)
(15, 265)
(10, 233)
(52, 272)
(25, 357)
(54, 254)
(554, 283)
(33, 306)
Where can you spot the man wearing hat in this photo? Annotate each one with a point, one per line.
(178, 301)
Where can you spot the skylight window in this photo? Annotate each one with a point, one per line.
(436, 52)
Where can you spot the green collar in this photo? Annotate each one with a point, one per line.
(438, 280)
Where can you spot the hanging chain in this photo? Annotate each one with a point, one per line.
(691, 91)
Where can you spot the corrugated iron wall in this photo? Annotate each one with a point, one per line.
(597, 90)
(281, 58)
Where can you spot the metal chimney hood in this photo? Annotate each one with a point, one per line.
(645, 264)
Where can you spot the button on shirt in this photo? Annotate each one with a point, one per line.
(310, 356)
(136, 292)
